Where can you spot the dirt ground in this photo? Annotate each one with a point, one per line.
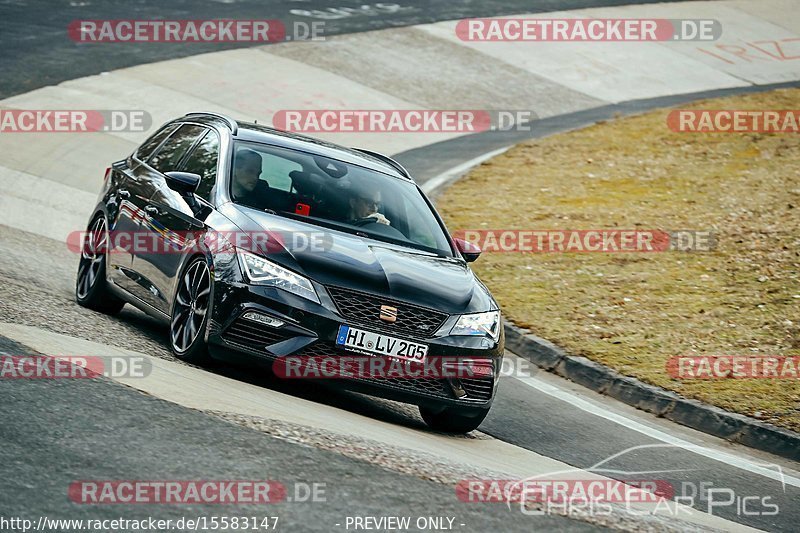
(635, 311)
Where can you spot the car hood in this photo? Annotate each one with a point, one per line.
(341, 259)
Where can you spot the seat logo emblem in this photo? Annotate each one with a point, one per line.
(388, 313)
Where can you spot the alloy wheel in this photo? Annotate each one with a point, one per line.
(92, 257)
(191, 304)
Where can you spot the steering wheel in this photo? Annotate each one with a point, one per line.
(364, 221)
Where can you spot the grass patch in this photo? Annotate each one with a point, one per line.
(633, 312)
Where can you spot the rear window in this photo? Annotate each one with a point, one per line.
(203, 161)
(146, 149)
(169, 156)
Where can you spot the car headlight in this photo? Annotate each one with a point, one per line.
(487, 324)
(259, 271)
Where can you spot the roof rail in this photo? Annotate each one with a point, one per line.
(386, 159)
(232, 124)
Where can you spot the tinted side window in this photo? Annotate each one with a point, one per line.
(203, 161)
(147, 147)
(276, 171)
(172, 151)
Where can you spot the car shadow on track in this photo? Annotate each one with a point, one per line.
(314, 391)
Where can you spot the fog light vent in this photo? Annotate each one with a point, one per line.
(263, 319)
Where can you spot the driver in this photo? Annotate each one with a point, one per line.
(246, 183)
(365, 204)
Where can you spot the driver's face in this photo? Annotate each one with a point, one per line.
(367, 204)
(247, 174)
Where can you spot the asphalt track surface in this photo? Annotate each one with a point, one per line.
(430, 161)
(38, 52)
(56, 432)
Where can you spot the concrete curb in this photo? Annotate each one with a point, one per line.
(697, 415)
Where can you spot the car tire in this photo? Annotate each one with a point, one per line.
(190, 308)
(452, 419)
(91, 286)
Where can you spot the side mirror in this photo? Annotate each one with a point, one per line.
(183, 182)
(469, 251)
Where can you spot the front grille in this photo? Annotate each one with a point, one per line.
(362, 308)
(427, 387)
(252, 334)
(477, 392)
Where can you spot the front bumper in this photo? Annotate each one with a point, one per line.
(310, 330)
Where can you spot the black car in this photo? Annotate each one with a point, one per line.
(259, 245)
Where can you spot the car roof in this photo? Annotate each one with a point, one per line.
(248, 131)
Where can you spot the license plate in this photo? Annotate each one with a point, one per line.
(367, 342)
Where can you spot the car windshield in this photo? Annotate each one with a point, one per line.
(331, 193)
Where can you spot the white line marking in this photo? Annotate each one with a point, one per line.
(716, 455)
(434, 183)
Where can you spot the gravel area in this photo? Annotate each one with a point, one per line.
(433, 468)
(402, 460)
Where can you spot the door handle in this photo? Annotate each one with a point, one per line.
(152, 210)
(123, 193)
